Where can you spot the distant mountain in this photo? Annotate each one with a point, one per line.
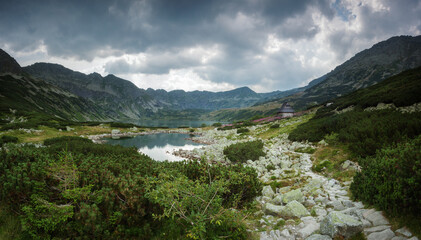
(28, 95)
(131, 102)
(370, 66)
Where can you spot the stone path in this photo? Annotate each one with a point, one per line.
(314, 208)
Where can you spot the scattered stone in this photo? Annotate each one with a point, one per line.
(274, 210)
(339, 224)
(319, 237)
(384, 235)
(413, 238)
(277, 199)
(296, 195)
(404, 232)
(377, 218)
(337, 205)
(268, 192)
(295, 209)
(368, 231)
(311, 226)
(399, 238)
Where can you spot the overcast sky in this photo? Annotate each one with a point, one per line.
(214, 45)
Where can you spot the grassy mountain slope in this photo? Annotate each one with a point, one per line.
(28, 96)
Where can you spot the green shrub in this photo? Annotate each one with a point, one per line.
(242, 130)
(76, 189)
(7, 139)
(391, 180)
(324, 164)
(122, 125)
(242, 182)
(191, 130)
(270, 167)
(276, 125)
(363, 131)
(241, 152)
(308, 150)
(217, 124)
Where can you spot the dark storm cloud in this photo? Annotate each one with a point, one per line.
(164, 31)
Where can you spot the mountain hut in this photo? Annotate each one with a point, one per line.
(286, 111)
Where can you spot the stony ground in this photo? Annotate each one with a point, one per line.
(304, 205)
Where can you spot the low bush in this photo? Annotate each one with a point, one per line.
(7, 139)
(363, 131)
(73, 188)
(276, 125)
(241, 152)
(122, 125)
(217, 124)
(391, 180)
(242, 130)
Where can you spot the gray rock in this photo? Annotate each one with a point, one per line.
(274, 210)
(320, 211)
(366, 223)
(268, 192)
(319, 237)
(309, 203)
(273, 235)
(399, 238)
(377, 218)
(413, 238)
(404, 232)
(337, 205)
(296, 195)
(310, 227)
(294, 209)
(368, 231)
(339, 224)
(348, 203)
(384, 235)
(277, 199)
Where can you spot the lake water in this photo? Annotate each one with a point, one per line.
(172, 123)
(158, 146)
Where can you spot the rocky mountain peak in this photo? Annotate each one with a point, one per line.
(8, 64)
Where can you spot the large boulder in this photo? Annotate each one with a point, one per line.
(296, 195)
(273, 209)
(295, 209)
(337, 224)
(268, 192)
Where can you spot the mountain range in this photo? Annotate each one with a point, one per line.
(62, 92)
(366, 68)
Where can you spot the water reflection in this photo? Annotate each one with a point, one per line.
(158, 146)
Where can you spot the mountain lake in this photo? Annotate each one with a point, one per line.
(158, 146)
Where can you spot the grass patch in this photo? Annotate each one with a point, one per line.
(308, 150)
(284, 126)
(328, 161)
(10, 227)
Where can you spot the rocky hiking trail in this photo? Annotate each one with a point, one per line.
(304, 205)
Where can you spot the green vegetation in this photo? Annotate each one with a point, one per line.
(276, 125)
(308, 150)
(73, 188)
(243, 130)
(123, 125)
(391, 180)
(363, 131)
(7, 139)
(243, 151)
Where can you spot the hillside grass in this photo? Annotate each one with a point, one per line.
(285, 126)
